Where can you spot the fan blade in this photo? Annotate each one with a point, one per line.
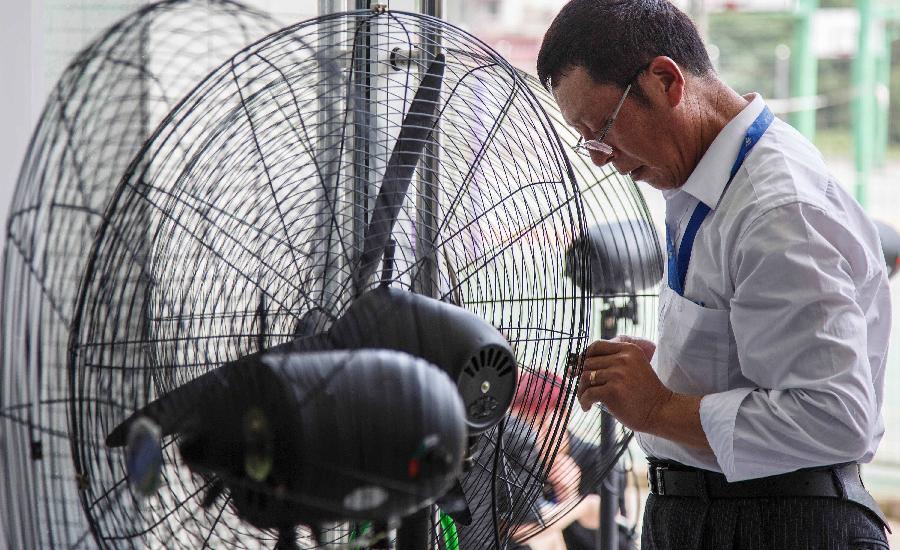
(455, 505)
(417, 125)
(173, 409)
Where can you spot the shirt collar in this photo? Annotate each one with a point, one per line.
(707, 182)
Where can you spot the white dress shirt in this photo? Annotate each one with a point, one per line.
(793, 266)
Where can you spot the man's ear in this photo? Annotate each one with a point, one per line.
(666, 80)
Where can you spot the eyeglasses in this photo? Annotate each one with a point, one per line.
(584, 147)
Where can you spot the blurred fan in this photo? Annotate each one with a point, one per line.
(890, 246)
(106, 103)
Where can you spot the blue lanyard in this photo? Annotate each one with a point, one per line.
(678, 263)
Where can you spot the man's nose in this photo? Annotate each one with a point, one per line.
(599, 159)
(620, 168)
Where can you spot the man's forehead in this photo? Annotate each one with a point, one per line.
(566, 80)
(573, 89)
(565, 91)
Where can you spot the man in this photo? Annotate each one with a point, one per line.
(764, 391)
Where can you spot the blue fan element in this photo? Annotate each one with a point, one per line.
(144, 458)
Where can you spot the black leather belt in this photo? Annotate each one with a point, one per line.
(840, 481)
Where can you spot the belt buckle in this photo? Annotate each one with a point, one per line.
(657, 473)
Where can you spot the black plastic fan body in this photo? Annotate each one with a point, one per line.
(270, 430)
(475, 355)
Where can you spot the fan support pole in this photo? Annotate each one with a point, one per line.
(608, 533)
(426, 279)
(416, 531)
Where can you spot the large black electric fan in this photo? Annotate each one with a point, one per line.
(310, 294)
(305, 312)
(106, 103)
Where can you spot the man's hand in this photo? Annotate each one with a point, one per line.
(618, 374)
(648, 347)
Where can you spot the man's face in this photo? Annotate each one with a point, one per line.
(634, 136)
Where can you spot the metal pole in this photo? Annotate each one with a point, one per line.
(418, 530)
(882, 97)
(364, 137)
(364, 118)
(414, 532)
(331, 102)
(608, 533)
(427, 200)
(332, 6)
(804, 69)
(434, 8)
(864, 104)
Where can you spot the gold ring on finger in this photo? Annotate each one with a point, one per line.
(593, 376)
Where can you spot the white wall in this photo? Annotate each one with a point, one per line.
(20, 98)
(38, 39)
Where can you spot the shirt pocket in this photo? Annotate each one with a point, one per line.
(699, 347)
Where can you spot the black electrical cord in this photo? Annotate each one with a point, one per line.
(498, 450)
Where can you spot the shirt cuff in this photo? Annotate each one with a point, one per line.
(718, 412)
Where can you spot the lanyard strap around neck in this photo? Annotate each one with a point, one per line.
(678, 262)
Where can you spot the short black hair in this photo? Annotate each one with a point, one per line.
(614, 39)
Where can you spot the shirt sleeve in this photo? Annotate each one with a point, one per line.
(801, 341)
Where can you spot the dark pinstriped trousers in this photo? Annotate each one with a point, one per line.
(808, 523)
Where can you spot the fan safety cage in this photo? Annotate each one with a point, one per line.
(244, 212)
(105, 105)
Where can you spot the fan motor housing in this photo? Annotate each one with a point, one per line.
(615, 258)
(472, 352)
(317, 436)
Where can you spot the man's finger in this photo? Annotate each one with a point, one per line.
(605, 347)
(592, 363)
(599, 347)
(646, 346)
(593, 378)
(591, 395)
(602, 362)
